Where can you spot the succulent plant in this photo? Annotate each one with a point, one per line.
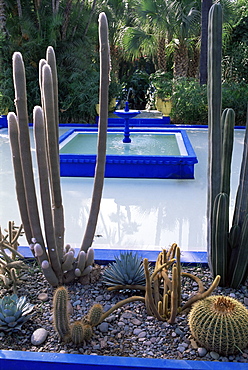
(14, 313)
(220, 324)
(77, 332)
(95, 314)
(11, 261)
(127, 269)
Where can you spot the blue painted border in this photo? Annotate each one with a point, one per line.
(104, 256)
(17, 360)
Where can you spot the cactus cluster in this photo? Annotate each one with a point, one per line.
(11, 261)
(227, 247)
(58, 263)
(220, 324)
(163, 286)
(14, 312)
(80, 330)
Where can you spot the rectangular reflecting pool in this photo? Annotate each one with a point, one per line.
(151, 154)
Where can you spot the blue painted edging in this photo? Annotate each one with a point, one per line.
(17, 360)
(136, 122)
(3, 121)
(131, 166)
(104, 256)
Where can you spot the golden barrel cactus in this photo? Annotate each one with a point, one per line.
(220, 324)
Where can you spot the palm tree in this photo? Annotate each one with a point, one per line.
(161, 23)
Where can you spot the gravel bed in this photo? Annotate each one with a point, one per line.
(128, 331)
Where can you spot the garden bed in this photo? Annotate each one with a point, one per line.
(129, 334)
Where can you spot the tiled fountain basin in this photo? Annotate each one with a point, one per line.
(165, 154)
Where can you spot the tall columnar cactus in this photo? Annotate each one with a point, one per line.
(227, 249)
(59, 263)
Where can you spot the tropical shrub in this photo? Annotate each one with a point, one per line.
(189, 102)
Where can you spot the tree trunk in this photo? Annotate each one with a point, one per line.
(206, 5)
(181, 61)
(2, 17)
(161, 55)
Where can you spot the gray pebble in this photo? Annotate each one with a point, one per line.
(202, 351)
(39, 336)
(137, 331)
(214, 355)
(43, 297)
(178, 331)
(103, 327)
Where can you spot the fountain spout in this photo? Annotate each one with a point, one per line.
(126, 114)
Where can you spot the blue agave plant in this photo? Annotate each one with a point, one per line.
(126, 270)
(14, 313)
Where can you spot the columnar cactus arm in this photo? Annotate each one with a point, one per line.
(24, 142)
(20, 188)
(40, 141)
(241, 266)
(220, 228)
(102, 136)
(241, 205)
(214, 109)
(53, 157)
(228, 117)
(51, 60)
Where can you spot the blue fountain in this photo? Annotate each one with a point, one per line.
(126, 114)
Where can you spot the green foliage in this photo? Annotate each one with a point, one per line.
(14, 313)
(163, 84)
(73, 34)
(220, 324)
(135, 89)
(235, 96)
(126, 270)
(189, 102)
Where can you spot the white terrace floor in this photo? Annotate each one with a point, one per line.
(135, 213)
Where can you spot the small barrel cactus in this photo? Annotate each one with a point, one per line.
(95, 314)
(127, 269)
(220, 324)
(77, 332)
(14, 313)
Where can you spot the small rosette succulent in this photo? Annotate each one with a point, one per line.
(14, 313)
(127, 269)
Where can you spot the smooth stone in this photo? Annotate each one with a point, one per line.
(214, 355)
(137, 331)
(103, 327)
(43, 297)
(39, 336)
(202, 351)
(178, 331)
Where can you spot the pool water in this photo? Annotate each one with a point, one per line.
(141, 214)
(142, 144)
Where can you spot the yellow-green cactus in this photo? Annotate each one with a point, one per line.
(220, 324)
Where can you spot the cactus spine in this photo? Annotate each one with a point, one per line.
(59, 264)
(220, 324)
(226, 255)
